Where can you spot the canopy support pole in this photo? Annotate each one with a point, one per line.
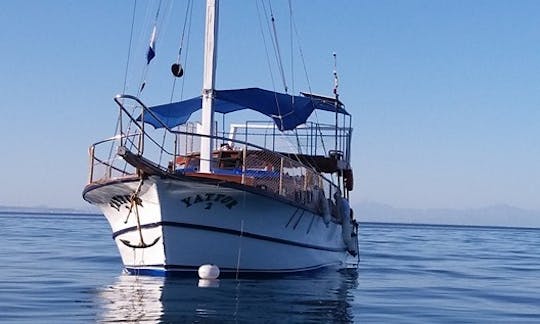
(208, 85)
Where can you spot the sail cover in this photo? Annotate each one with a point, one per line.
(287, 111)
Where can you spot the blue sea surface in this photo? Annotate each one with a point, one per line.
(66, 269)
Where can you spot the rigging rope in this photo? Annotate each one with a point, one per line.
(151, 50)
(129, 47)
(268, 58)
(266, 47)
(336, 85)
(292, 44)
(187, 50)
(189, 10)
(292, 68)
(306, 74)
(304, 65)
(125, 76)
(143, 79)
(278, 52)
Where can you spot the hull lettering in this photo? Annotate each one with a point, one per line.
(210, 200)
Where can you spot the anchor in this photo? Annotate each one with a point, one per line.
(135, 201)
(141, 245)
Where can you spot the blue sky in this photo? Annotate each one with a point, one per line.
(445, 94)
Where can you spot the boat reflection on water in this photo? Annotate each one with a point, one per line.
(324, 296)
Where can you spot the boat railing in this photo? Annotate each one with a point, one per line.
(310, 138)
(233, 160)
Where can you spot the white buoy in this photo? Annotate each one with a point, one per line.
(208, 271)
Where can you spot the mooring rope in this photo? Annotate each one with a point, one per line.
(239, 249)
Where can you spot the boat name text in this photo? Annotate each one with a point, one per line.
(117, 201)
(209, 199)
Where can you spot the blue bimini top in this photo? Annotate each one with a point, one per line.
(287, 111)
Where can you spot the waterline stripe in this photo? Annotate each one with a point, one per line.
(231, 232)
(176, 267)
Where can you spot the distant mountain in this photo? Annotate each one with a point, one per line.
(497, 215)
(46, 210)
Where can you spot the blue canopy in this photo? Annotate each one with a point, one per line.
(287, 111)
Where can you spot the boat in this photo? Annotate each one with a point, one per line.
(269, 196)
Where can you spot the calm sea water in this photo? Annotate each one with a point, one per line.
(65, 268)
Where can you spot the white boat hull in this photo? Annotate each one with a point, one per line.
(185, 224)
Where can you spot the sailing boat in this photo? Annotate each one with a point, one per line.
(247, 200)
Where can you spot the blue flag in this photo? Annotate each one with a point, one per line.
(152, 48)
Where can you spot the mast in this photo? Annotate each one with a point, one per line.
(210, 41)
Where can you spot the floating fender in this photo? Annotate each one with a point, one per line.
(338, 208)
(344, 211)
(324, 207)
(349, 179)
(353, 249)
(346, 225)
